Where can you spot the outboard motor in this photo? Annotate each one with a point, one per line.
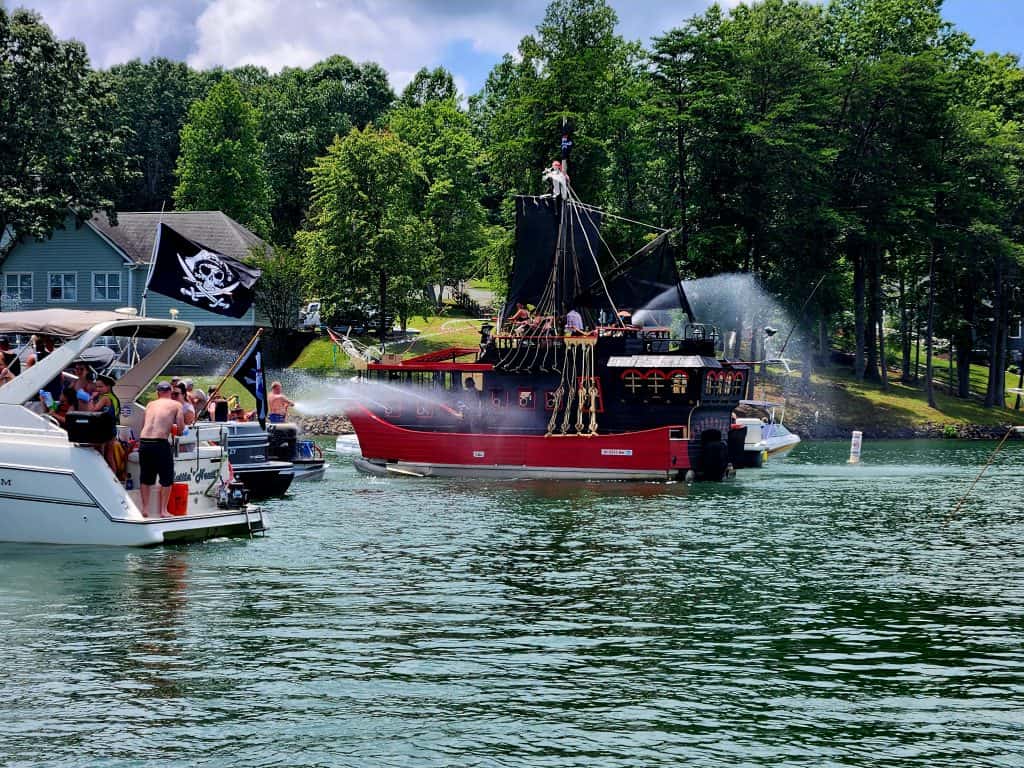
(283, 438)
(234, 495)
(714, 455)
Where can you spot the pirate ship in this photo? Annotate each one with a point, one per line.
(609, 377)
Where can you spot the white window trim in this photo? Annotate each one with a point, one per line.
(1020, 329)
(31, 284)
(120, 286)
(63, 285)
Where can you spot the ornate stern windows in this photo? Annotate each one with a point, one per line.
(655, 385)
(723, 386)
(526, 399)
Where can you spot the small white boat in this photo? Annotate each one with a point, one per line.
(56, 491)
(767, 437)
(346, 444)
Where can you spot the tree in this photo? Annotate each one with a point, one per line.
(364, 243)
(221, 162)
(280, 289)
(61, 149)
(153, 99)
(429, 85)
(450, 156)
(301, 111)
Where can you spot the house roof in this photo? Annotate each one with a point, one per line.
(135, 232)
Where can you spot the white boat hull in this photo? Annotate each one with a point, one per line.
(55, 492)
(770, 440)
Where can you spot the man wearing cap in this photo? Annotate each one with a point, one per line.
(155, 457)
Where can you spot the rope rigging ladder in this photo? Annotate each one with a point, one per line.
(578, 389)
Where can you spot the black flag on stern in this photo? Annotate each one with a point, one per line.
(250, 375)
(196, 275)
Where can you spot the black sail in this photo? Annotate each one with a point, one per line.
(647, 281)
(554, 261)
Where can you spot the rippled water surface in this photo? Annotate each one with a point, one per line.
(809, 614)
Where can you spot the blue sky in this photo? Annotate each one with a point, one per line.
(466, 36)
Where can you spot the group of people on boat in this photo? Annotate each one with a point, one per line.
(524, 323)
(13, 360)
(177, 406)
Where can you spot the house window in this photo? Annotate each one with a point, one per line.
(1016, 334)
(106, 286)
(18, 286)
(63, 286)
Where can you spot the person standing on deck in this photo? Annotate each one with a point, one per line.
(278, 404)
(155, 457)
(573, 323)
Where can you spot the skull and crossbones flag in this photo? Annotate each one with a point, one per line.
(192, 273)
(250, 374)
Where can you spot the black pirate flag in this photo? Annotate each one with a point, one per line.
(250, 374)
(193, 273)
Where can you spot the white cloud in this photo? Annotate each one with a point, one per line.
(401, 35)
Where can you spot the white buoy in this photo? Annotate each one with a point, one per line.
(855, 441)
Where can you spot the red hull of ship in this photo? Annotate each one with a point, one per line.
(646, 454)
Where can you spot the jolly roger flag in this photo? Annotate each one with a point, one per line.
(250, 375)
(196, 275)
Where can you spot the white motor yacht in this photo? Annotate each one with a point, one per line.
(767, 438)
(55, 490)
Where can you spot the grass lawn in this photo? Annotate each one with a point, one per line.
(452, 329)
(840, 397)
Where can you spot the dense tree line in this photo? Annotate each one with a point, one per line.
(859, 149)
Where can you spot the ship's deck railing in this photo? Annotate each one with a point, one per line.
(647, 339)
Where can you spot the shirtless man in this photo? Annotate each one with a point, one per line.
(155, 457)
(278, 404)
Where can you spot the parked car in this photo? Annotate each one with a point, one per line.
(309, 316)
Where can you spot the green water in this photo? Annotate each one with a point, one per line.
(810, 614)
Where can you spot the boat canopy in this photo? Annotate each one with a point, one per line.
(66, 323)
(766, 404)
(72, 323)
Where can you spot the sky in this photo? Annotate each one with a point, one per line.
(466, 36)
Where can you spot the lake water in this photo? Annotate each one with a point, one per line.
(810, 614)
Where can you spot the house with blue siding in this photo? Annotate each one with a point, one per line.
(96, 265)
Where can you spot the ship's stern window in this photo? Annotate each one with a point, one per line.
(678, 383)
(657, 385)
(526, 399)
(633, 380)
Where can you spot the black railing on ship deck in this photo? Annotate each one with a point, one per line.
(637, 340)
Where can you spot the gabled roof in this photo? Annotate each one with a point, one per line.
(135, 232)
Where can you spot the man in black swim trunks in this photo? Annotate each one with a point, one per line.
(155, 457)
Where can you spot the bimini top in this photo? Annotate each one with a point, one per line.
(65, 323)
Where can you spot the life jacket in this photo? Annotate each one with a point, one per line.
(115, 405)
